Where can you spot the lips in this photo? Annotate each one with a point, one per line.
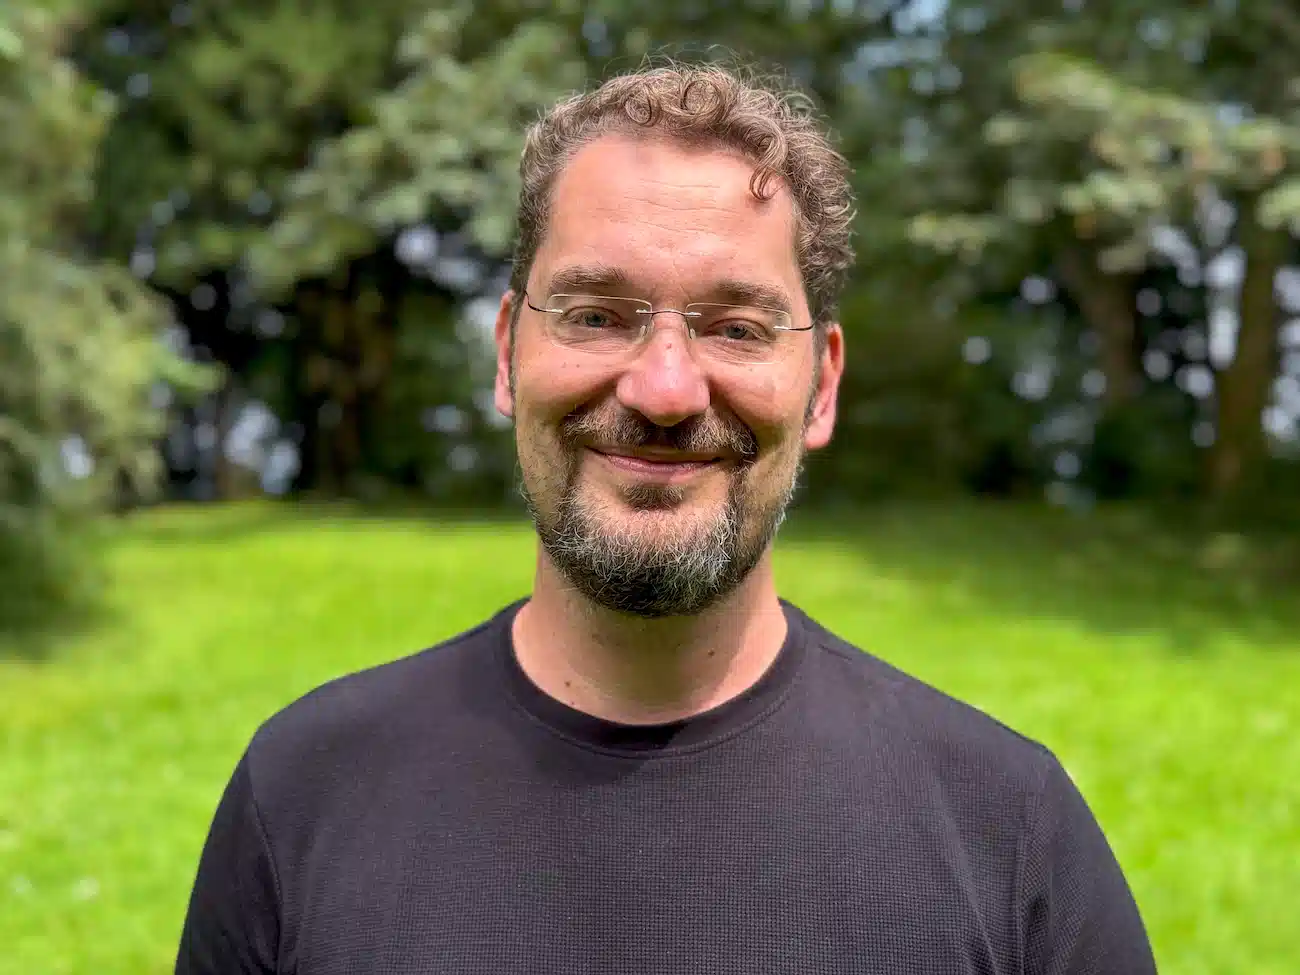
(672, 458)
(656, 466)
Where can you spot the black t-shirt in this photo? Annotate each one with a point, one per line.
(440, 814)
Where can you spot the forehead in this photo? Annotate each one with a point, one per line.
(674, 220)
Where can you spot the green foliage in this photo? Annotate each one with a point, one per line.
(79, 348)
(915, 418)
(999, 139)
(230, 115)
(1148, 154)
(292, 168)
(442, 144)
(1079, 133)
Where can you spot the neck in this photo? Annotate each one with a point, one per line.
(647, 671)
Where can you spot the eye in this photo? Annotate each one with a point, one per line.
(592, 317)
(737, 330)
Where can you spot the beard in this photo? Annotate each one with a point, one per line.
(661, 561)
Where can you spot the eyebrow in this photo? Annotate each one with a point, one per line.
(606, 279)
(589, 279)
(736, 292)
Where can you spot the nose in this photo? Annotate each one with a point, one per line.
(664, 383)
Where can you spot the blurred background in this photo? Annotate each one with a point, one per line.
(250, 254)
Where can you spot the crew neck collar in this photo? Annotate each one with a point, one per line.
(698, 731)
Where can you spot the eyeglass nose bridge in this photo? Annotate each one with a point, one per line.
(649, 319)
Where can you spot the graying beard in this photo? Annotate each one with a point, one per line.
(615, 570)
(674, 579)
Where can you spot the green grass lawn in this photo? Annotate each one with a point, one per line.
(1166, 675)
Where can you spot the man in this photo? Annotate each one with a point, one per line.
(653, 764)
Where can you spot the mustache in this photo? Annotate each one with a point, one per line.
(700, 434)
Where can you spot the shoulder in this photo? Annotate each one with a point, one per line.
(354, 721)
(920, 723)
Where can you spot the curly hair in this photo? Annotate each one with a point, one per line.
(773, 125)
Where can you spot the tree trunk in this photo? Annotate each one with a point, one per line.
(224, 474)
(1109, 305)
(344, 437)
(1243, 385)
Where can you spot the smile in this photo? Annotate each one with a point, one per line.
(665, 470)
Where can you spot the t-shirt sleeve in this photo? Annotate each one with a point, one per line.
(1077, 911)
(232, 926)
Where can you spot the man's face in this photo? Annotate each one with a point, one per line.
(657, 479)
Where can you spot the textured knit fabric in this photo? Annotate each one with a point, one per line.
(440, 814)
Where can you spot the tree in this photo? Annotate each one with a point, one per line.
(262, 176)
(1159, 154)
(222, 110)
(79, 338)
(1099, 129)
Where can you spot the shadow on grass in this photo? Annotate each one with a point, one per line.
(43, 611)
(1118, 571)
(40, 634)
(43, 607)
(214, 523)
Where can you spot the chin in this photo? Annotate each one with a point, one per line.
(663, 518)
(655, 507)
(669, 551)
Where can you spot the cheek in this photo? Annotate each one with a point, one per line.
(546, 392)
(549, 388)
(777, 414)
(781, 458)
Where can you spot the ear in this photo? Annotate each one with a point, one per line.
(821, 418)
(503, 393)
